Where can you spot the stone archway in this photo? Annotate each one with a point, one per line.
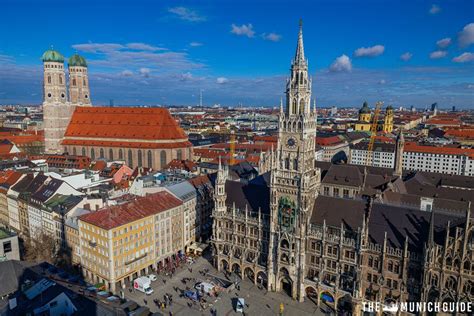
(328, 299)
(236, 269)
(250, 274)
(224, 265)
(345, 305)
(262, 278)
(286, 285)
(311, 294)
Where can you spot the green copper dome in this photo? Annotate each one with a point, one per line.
(52, 55)
(365, 108)
(77, 60)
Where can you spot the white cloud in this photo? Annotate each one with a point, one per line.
(244, 29)
(406, 56)
(443, 43)
(464, 58)
(274, 37)
(382, 81)
(435, 9)
(466, 36)
(127, 73)
(145, 72)
(118, 56)
(372, 51)
(195, 44)
(143, 46)
(98, 47)
(438, 54)
(186, 76)
(222, 80)
(341, 64)
(470, 86)
(187, 14)
(6, 59)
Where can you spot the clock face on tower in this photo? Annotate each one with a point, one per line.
(291, 142)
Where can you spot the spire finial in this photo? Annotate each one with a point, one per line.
(299, 56)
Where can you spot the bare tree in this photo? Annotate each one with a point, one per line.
(42, 248)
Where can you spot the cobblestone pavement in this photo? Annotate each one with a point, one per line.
(258, 301)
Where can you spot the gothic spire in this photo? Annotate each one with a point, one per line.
(299, 55)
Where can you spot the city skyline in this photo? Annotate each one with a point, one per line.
(165, 54)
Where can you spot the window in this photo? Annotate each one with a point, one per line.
(326, 190)
(120, 154)
(92, 154)
(73, 82)
(111, 154)
(49, 79)
(60, 79)
(179, 154)
(130, 158)
(150, 159)
(162, 159)
(101, 153)
(74, 151)
(7, 247)
(83, 151)
(139, 158)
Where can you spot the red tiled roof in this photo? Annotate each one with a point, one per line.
(187, 165)
(326, 141)
(414, 147)
(118, 215)
(144, 145)
(265, 139)
(124, 123)
(200, 180)
(446, 121)
(462, 133)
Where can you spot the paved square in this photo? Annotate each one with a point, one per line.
(258, 301)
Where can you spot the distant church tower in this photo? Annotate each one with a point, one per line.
(79, 93)
(57, 108)
(399, 146)
(294, 180)
(388, 120)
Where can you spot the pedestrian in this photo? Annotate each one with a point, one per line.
(144, 301)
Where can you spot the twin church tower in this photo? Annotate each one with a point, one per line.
(61, 95)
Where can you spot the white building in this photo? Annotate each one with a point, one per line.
(448, 160)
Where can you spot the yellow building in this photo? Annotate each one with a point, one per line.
(118, 243)
(365, 120)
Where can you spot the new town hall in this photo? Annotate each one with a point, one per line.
(343, 234)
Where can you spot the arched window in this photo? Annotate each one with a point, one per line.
(74, 151)
(111, 154)
(130, 158)
(49, 79)
(285, 244)
(60, 79)
(84, 82)
(301, 78)
(139, 158)
(179, 154)
(162, 159)
(150, 159)
(120, 154)
(451, 283)
(73, 82)
(302, 106)
(83, 151)
(295, 164)
(101, 153)
(287, 163)
(92, 154)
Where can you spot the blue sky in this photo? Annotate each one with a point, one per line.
(163, 52)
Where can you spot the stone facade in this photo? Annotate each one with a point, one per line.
(343, 244)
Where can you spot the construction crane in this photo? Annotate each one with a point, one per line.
(373, 132)
(232, 147)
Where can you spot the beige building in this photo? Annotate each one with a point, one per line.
(121, 242)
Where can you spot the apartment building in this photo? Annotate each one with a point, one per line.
(121, 242)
